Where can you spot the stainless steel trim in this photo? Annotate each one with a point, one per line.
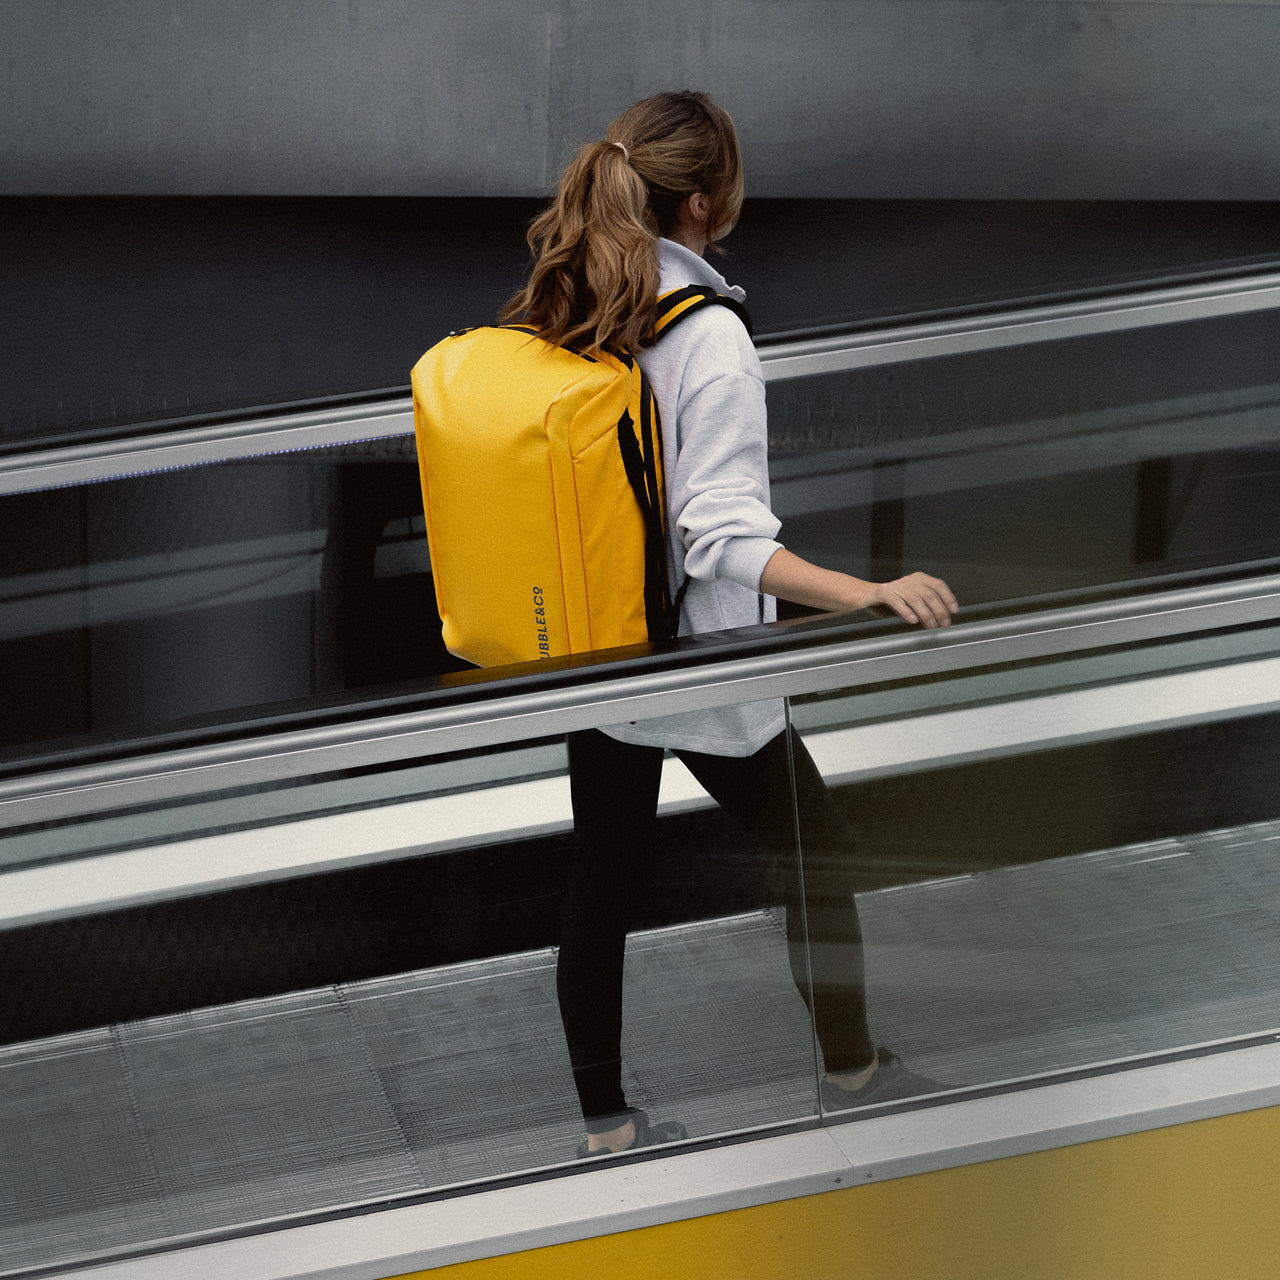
(1019, 326)
(256, 437)
(52, 468)
(467, 725)
(525, 809)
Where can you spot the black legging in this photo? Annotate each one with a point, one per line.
(614, 787)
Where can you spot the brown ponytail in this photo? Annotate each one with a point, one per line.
(594, 280)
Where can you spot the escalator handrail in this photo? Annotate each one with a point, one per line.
(782, 358)
(1020, 325)
(487, 709)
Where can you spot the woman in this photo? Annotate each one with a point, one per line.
(633, 216)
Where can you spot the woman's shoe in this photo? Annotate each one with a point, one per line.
(647, 1135)
(890, 1082)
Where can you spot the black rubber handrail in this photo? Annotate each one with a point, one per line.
(463, 712)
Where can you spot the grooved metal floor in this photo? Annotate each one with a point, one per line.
(222, 1117)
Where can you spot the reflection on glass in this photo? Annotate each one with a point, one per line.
(1046, 467)
(132, 605)
(1042, 891)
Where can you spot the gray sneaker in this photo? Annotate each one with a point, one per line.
(647, 1135)
(891, 1082)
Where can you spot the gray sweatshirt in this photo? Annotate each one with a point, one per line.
(707, 380)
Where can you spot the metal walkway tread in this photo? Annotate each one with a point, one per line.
(210, 1120)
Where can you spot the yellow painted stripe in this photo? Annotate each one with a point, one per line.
(1192, 1202)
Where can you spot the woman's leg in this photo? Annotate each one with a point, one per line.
(614, 788)
(756, 791)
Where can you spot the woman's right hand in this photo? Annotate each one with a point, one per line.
(918, 597)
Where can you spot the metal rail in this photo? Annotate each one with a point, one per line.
(1021, 326)
(784, 359)
(482, 715)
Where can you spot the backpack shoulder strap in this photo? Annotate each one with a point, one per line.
(643, 464)
(674, 306)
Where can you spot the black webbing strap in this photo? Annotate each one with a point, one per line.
(640, 460)
(674, 306)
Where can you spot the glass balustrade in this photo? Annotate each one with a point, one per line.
(281, 887)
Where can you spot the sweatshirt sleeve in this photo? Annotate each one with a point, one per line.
(720, 489)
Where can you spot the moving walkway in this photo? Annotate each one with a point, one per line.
(283, 937)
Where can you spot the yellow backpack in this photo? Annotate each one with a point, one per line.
(543, 491)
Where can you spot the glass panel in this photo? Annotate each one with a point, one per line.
(134, 605)
(343, 989)
(1067, 865)
(1046, 467)
(138, 604)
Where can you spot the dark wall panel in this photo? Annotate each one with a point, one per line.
(116, 312)
(1044, 99)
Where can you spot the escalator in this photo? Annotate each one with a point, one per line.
(282, 880)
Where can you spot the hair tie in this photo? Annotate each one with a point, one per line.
(626, 155)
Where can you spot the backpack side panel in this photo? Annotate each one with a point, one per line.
(611, 527)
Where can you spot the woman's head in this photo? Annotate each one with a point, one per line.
(679, 144)
(595, 274)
